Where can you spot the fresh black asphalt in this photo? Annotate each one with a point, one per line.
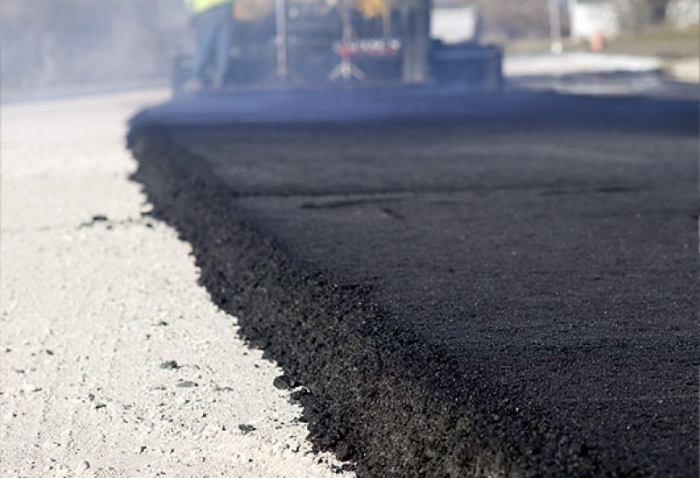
(466, 285)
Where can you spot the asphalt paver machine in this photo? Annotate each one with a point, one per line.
(323, 42)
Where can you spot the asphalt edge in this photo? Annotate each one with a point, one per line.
(368, 394)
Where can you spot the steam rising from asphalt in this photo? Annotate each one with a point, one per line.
(56, 43)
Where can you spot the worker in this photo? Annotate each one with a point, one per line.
(213, 23)
(373, 8)
(376, 16)
(252, 10)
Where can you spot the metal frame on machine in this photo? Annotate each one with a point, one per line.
(281, 40)
(346, 70)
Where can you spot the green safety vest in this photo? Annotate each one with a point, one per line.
(199, 6)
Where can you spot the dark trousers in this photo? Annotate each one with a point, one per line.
(213, 29)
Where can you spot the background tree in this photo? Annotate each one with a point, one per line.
(510, 19)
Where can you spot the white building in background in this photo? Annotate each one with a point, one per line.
(683, 13)
(592, 17)
(455, 21)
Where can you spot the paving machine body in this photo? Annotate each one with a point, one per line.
(322, 42)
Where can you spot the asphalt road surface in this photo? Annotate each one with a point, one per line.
(465, 285)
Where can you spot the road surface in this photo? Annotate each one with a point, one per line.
(467, 285)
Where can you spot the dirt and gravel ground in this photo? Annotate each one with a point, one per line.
(113, 361)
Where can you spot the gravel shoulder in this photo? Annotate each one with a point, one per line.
(113, 360)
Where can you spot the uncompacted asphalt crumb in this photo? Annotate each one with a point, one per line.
(464, 285)
(113, 361)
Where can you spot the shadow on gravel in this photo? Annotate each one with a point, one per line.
(465, 285)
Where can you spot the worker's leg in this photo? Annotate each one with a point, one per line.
(223, 44)
(206, 29)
